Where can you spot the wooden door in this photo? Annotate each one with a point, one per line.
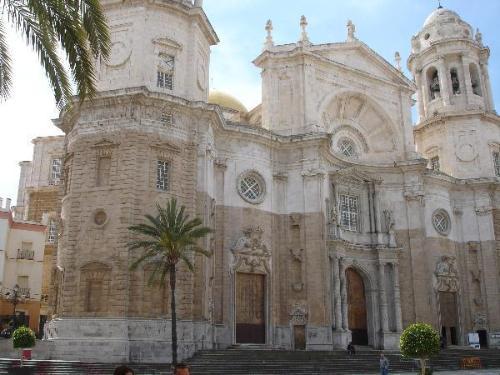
(250, 309)
(356, 301)
(299, 337)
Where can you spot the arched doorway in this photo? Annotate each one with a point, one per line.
(356, 305)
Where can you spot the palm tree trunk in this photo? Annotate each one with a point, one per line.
(174, 316)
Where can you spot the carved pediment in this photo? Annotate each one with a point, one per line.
(166, 147)
(167, 42)
(353, 174)
(250, 253)
(298, 315)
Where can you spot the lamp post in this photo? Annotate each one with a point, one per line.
(15, 297)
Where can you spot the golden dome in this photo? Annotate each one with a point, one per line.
(226, 100)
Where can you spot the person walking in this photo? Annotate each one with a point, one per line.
(384, 365)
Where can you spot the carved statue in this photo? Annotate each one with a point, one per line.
(434, 86)
(390, 223)
(250, 252)
(446, 275)
(479, 37)
(351, 30)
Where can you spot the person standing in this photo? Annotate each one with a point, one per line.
(384, 365)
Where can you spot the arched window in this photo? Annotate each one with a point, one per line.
(455, 82)
(433, 80)
(475, 80)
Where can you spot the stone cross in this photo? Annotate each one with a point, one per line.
(269, 38)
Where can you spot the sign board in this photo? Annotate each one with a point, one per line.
(494, 340)
(473, 339)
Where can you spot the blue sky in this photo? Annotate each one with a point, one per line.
(385, 25)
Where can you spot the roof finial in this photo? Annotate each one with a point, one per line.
(269, 38)
(303, 24)
(351, 30)
(440, 6)
(397, 58)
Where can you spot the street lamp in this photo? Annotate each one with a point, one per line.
(15, 297)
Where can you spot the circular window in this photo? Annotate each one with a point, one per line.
(251, 187)
(441, 222)
(347, 147)
(427, 36)
(100, 218)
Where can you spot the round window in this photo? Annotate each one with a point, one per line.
(100, 218)
(347, 147)
(251, 187)
(441, 222)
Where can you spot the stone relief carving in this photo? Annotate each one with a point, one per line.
(332, 219)
(446, 275)
(298, 315)
(480, 320)
(297, 256)
(250, 253)
(295, 220)
(390, 223)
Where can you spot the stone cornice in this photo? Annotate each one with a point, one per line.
(441, 119)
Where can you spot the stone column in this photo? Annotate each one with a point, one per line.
(444, 81)
(343, 294)
(422, 110)
(397, 298)
(337, 293)
(467, 83)
(377, 213)
(487, 84)
(384, 316)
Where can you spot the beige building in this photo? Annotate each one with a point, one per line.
(335, 218)
(39, 200)
(21, 268)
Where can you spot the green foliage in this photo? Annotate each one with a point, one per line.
(166, 239)
(78, 27)
(419, 340)
(23, 337)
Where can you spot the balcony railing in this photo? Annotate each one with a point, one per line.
(25, 254)
(25, 292)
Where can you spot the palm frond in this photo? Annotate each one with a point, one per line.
(5, 65)
(94, 23)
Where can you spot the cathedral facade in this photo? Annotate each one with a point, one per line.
(335, 218)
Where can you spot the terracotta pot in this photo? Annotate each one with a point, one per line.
(26, 354)
(182, 369)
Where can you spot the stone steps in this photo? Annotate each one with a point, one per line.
(238, 361)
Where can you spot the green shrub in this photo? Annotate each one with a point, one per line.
(23, 337)
(420, 341)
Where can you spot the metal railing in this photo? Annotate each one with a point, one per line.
(25, 292)
(25, 254)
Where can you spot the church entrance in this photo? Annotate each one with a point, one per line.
(250, 308)
(449, 318)
(356, 302)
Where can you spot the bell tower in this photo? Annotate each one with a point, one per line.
(456, 130)
(161, 45)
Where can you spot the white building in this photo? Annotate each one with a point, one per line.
(335, 218)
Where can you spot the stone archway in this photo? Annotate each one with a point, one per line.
(357, 307)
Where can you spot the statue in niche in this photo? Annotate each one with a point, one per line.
(446, 275)
(332, 219)
(455, 83)
(434, 86)
(296, 269)
(390, 224)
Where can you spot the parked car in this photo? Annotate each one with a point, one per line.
(7, 332)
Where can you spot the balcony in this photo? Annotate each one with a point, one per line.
(25, 254)
(24, 292)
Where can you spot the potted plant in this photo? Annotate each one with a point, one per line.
(24, 339)
(420, 341)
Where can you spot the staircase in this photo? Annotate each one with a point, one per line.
(269, 362)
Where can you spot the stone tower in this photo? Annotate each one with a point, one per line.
(457, 121)
(139, 142)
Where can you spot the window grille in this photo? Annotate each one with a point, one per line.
(349, 212)
(496, 163)
(162, 177)
(52, 232)
(55, 172)
(435, 163)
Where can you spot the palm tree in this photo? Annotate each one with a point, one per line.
(167, 239)
(78, 27)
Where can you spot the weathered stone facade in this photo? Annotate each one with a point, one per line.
(328, 224)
